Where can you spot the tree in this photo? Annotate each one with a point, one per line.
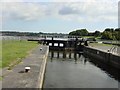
(81, 32)
(117, 35)
(110, 34)
(107, 35)
(72, 33)
(117, 29)
(109, 29)
(97, 33)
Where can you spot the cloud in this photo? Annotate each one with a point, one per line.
(23, 11)
(82, 11)
(11, 0)
(68, 10)
(59, 0)
(91, 11)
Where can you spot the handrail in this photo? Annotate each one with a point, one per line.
(112, 49)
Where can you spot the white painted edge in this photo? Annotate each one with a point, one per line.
(43, 68)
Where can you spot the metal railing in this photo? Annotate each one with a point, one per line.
(10, 39)
(115, 50)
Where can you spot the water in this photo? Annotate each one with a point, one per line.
(73, 70)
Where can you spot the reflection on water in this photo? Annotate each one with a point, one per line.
(74, 70)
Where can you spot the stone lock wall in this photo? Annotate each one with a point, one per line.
(102, 56)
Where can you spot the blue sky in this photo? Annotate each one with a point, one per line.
(61, 17)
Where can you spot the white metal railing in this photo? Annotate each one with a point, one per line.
(115, 50)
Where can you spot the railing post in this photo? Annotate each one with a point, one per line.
(58, 44)
(52, 42)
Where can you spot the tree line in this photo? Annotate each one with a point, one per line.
(15, 33)
(108, 33)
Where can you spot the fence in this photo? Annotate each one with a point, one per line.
(9, 39)
(115, 50)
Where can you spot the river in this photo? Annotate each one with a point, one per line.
(74, 70)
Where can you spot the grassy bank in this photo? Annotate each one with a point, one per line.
(14, 52)
(92, 37)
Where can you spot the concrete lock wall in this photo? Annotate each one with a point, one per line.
(43, 68)
(105, 57)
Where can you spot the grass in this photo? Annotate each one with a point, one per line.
(14, 52)
(92, 37)
(0, 54)
(1, 77)
(13, 64)
(97, 37)
(88, 37)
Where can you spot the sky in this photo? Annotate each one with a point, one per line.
(58, 16)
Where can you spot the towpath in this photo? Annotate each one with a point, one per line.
(17, 78)
(105, 48)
